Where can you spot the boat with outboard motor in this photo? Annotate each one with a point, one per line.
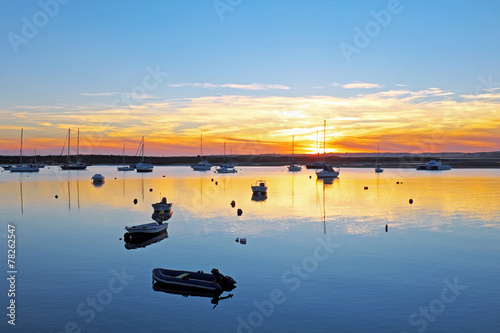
(214, 281)
(147, 228)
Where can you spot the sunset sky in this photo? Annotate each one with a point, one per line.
(416, 76)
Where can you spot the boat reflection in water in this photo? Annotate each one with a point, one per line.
(327, 181)
(187, 291)
(259, 196)
(138, 241)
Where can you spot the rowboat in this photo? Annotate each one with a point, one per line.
(197, 280)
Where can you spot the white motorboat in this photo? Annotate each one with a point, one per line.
(97, 178)
(328, 171)
(77, 165)
(147, 228)
(433, 165)
(143, 167)
(202, 165)
(260, 187)
(21, 167)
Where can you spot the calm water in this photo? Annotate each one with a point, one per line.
(317, 258)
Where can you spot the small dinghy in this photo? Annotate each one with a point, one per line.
(198, 280)
(97, 178)
(147, 228)
(162, 205)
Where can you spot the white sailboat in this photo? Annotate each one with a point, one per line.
(226, 166)
(143, 167)
(77, 165)
(293, 166)
(328, 171)
(124, 167)
(21, 167)
(378, 169)
(202, 165)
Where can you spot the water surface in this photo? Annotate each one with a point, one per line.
(317, 258)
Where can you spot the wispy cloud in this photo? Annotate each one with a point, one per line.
(253, 86)
(105, 94)
(357, 85)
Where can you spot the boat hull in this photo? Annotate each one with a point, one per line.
(144, 167)
(74, 167)
(148, 228)
(327, 174)
(24, 169)
(225, 170)
(195, 280)
(125, 168)
(294, 168)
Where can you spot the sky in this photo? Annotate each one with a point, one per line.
(411, 75)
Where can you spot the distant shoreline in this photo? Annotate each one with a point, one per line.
(389, 161)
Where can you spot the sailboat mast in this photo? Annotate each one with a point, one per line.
(78, 144)
(201, 145)
(21, 150)
(324, 141)
(142, 149)
(378, 146)
(69, 141)
(123, 154)
(293, 146)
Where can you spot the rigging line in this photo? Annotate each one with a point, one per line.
(64, 145)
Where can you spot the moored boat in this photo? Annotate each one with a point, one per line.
(197, 280)
(433, 165)
(97, 178)
(147, 228)
(260, 187)
(328, 172)
(163, 205)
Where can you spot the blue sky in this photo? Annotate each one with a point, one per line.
(91, 51)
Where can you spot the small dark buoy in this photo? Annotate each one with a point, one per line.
(411, 201)
(386, 228)
(243, 240)
(401, 182)
(212, 179)
(150, 190)
(397, 182)
(115, 177)
(309, 177)
(366, 187)
(135, 201)
(233, 203)
(240, 212)
(237, 240)
(163, 176)
(56, 196)
(215, 183)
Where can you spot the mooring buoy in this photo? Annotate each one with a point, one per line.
(411, 201)
(240, 212)
(135, 201)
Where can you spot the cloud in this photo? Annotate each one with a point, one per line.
(357, 85)
(104, 94)
(253, 86)
(405, 120)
